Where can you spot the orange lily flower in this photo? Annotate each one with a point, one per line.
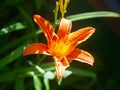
(62, 46)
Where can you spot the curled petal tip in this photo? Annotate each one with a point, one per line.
(82, 56)
(35, 15)
(92, 29)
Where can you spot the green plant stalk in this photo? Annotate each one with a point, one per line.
(41, 59)
(37, 82)
(65, 7)
(46, 82)
(56, 14)
(37, 67)
(61, 6)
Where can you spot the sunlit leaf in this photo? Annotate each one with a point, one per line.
(90, 15)
(11, 28)
(37, 83)
(49, 75)
(67, 73)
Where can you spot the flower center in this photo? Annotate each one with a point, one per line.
(59, 49)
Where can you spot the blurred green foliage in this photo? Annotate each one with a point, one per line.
(37, 72)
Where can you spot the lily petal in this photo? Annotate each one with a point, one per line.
(45, 27)
(64, 28)
(61, 65)
(37, 48)
(81, 35)
(82, 56)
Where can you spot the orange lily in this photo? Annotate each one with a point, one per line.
(62, 46)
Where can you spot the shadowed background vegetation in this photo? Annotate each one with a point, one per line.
(17, 30)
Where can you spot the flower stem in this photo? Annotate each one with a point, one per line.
(63, 7)
(46, 82)
(56, 14)
(37, 67)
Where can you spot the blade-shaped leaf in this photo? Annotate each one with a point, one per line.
(82, 72)
(24, 72)
(90, 15)
(14, 27)
(49, 75)
(12, 75)
(13, 55)
(19, 84)
(85, 73)
(37, 83)
(19, 40)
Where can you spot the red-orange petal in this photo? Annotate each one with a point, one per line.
(61, 65)
(81, 55)
(37, 48)
(81, 35)
(64, 28)
(45, 27)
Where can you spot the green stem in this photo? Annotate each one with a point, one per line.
(65, 7)
(41, 59)
(56, 14)
(37, 67)
(46, 82)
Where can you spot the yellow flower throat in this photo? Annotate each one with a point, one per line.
(59, 49)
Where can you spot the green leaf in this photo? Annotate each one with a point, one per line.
(48, 66)
(25, 14)
(14, 27)
(19, 84)
(67, 73)
(85, 73)
(49, 75)
(90, 15)
(19, 40)
(13, 55)
(24, 72)
(82, 72)
(14, 74)
(37, 83)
